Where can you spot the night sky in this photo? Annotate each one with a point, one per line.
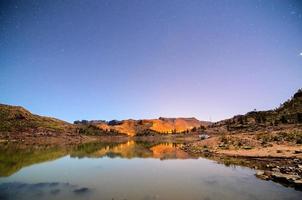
(145, 59)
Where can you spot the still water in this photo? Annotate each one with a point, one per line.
(129, 170)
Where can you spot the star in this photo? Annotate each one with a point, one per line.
(293, 12)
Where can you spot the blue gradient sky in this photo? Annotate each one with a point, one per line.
(145, 59)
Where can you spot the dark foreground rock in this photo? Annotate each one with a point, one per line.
(290, 180)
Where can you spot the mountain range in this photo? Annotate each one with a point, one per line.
(18, 120)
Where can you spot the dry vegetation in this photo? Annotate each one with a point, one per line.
(18, 119)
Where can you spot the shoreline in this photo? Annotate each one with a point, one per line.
(281, 163)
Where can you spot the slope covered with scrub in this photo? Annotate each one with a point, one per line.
(290, 112)
(18, 119)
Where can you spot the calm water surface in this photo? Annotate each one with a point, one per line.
(131, 170)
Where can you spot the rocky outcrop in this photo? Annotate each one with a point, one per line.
(150, 126)
(290, 112)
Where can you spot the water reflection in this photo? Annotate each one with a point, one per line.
(87, 171)
(131, 149)
(14, 157)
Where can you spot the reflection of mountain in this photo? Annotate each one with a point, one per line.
(168, 151)
(15, 157)
(132, 149)
(126, 150)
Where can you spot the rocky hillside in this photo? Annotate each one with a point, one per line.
(290, 112)
(147, 126)
(16, 119)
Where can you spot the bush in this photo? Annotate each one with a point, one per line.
(293, 136)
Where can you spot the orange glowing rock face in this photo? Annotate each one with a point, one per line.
(168, 125)
(162, 125)
(103, 126)
(128, 127)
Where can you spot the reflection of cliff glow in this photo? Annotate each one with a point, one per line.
(168, 150)
(132, 149)
(129, 149)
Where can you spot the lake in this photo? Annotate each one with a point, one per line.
(126, 170)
